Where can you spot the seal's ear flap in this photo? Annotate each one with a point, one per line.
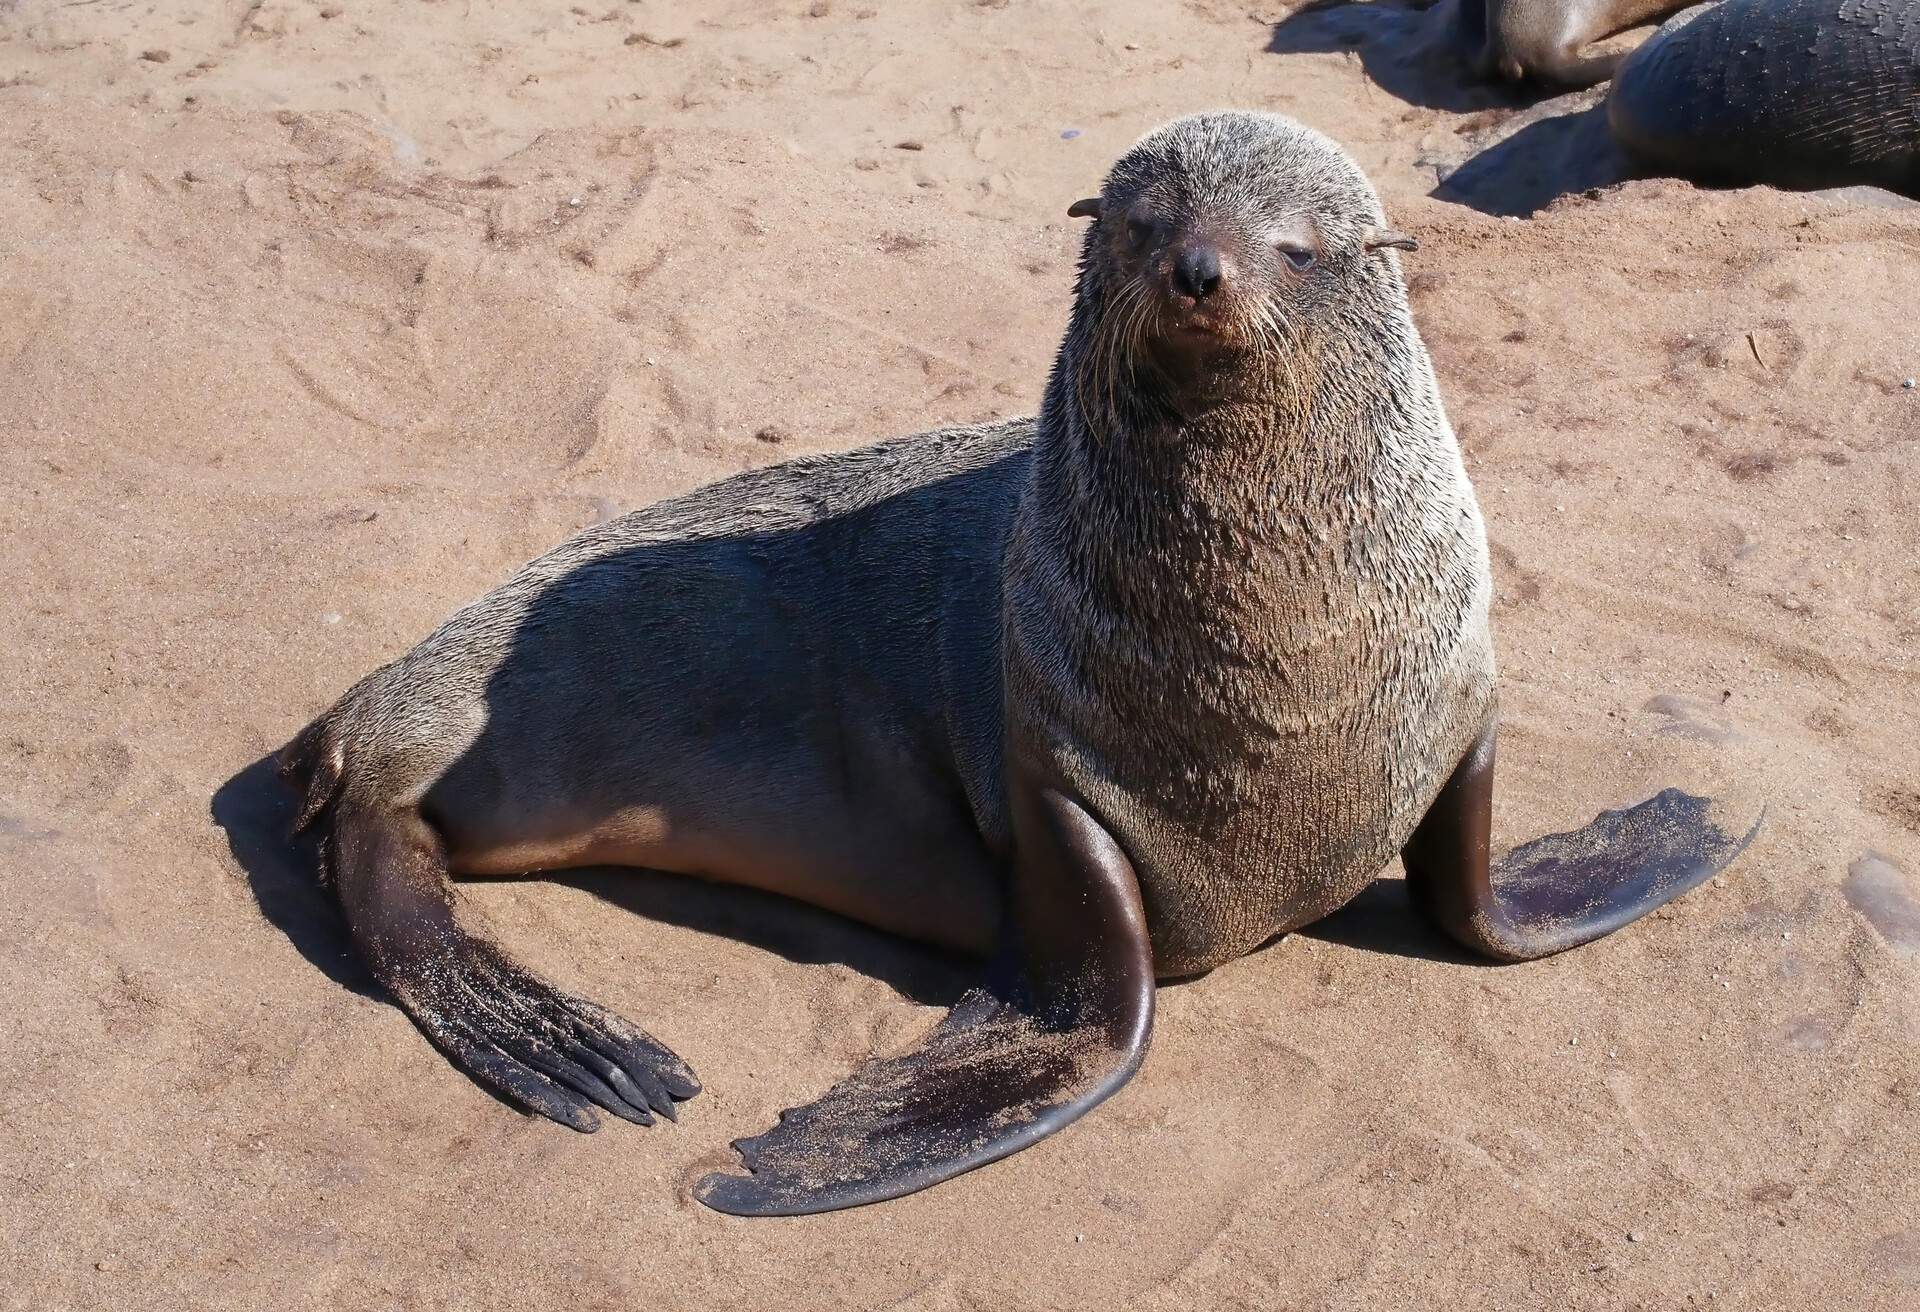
(1085, 209)
(1381, 238)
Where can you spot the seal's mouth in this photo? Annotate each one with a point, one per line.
(1185, 330)
(1189, 344)
(1186, 321)
(1203, 299)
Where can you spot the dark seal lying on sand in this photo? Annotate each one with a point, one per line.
(1798, 93)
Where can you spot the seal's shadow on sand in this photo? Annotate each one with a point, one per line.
(1383, 919)
(1521, 149)
(1408, 50)
(255, 809)
(1559, 148)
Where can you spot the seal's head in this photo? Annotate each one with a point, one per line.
(1224, 236)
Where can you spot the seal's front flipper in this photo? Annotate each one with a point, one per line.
(541, 1049)
(997, 1074)
(987, 1082)
(1562, 890)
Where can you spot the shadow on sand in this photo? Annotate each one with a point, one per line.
(255, 809)
(1412, 52)
(1521, 149)
(1559, 148)
(1383, 919)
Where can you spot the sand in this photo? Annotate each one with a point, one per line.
(318, 318)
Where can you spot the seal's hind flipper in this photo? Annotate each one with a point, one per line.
(1562, 890)
(995, 1075)
(544, 1050)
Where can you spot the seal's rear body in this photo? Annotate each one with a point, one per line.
(850, 613)
(787, 679)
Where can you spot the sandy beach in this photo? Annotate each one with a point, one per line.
(319, 317)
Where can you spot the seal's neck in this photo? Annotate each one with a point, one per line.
(1187, 588)
(1207, 496)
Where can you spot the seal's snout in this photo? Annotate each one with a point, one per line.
(1202, 284)
(1199, 269)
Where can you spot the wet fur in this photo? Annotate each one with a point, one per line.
(1798, 93)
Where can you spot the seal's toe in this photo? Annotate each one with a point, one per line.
(545, 1050)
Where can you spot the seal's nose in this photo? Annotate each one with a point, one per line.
(1197, 270)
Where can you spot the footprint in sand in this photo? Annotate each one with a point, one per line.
(1686, 717)
(1809, 1034)
(1881, 891)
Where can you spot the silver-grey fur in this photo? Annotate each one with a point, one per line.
(1237, 599)
(1256, 638)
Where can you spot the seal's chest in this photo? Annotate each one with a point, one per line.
(1293, 839)
(1322, 781)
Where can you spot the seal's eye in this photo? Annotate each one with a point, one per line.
(1140, 232)
(1300, 257)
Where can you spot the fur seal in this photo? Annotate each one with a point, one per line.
(1108, 695)
(1799, 93)
(1543, 39)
